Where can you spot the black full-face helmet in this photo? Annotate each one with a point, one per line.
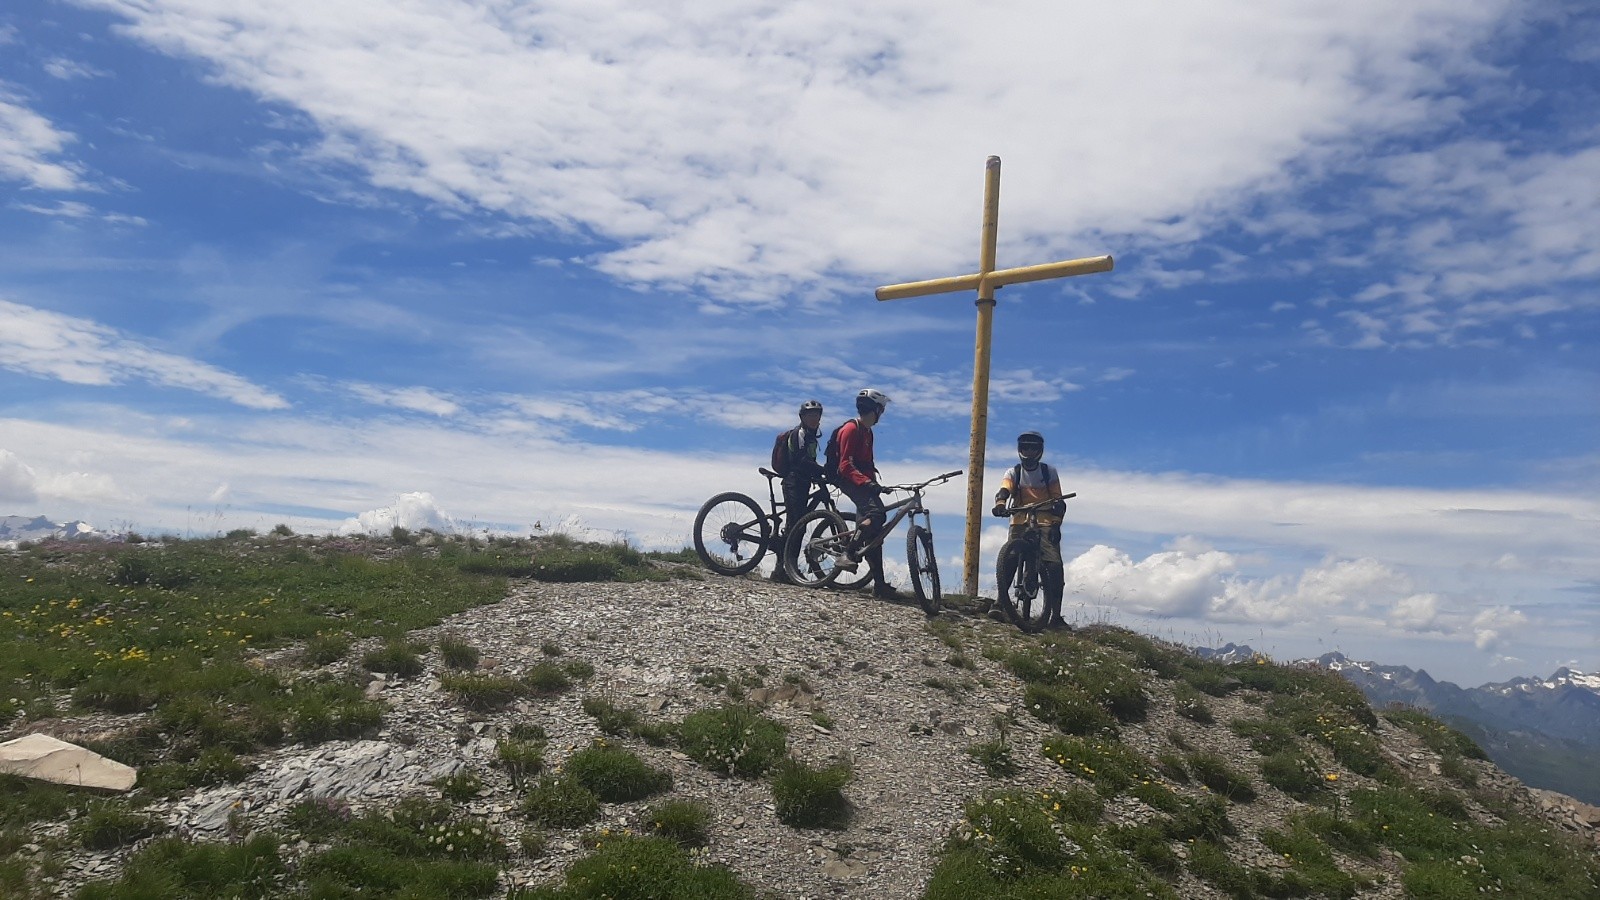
(1030, 446)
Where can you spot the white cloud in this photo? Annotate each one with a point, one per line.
(415, 399)
(78, 351)
(17, 481)
(412, 511)
(73, 209)
(1479, 232)
(1446, 528)
(22, 483)
(749, 149)
(69, 69)
(1492, 627)
(1170, 583)
(1195, 581)
(1418, 612)
(30, 148)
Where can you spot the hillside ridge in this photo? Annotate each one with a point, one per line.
(933, 718)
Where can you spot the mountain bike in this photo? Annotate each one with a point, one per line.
(732, 533)
(816, 555)
(1019, 570)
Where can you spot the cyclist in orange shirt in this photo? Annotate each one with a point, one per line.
(1031, 481)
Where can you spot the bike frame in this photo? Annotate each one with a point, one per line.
(820, 497)
(910, 507)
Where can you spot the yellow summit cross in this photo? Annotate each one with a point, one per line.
(985, 281)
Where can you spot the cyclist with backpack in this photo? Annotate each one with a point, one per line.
(850, 465)
(1031, 481)
(794, 456)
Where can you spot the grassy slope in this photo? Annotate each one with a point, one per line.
(175, 634)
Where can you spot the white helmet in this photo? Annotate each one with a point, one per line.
(871, 395)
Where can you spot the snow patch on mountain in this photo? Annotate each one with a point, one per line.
(15, 530)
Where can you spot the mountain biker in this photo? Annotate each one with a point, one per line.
(1031, 481)
(802, 473)
(857, 476)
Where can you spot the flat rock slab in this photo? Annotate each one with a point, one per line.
(45, 758)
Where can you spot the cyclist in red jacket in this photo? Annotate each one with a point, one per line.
(858, 478)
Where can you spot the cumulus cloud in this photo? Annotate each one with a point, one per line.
(412, 511)
(31, 148)
(1494, 626)
(1418, 612)
(78, 351)
(722, 147)
(1169, 583)
(1192, 579)
(22, 483)
(17, 481)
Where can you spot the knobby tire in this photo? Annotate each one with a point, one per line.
(727, 527)
(924, 569)
(809, 556)
(1022, 557)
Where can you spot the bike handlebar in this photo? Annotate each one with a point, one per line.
(917, 487)
(1013, 510)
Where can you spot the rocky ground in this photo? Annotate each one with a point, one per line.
(896, 697)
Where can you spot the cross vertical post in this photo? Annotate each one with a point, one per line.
(986, 281)
(979, 441)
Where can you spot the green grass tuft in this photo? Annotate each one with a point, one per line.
(733, 739)
(615, 774)
(394, 659)
(1211, 770)
(457, 653)
(638, 868)
(686, 822)
(560, 803)
(811, 798)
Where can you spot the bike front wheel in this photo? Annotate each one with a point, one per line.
(1019, 580)
(816, 549)
(731, 534)
(847, 580)
(924, 569)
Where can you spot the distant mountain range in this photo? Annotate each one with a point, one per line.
(16, 529)
(1545, 731)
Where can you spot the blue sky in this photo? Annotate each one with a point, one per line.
(574, 263)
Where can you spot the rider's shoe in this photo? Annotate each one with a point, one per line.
(885, 592)
(780, 575)
(997, 614)
(1057, 623)
(847, 562)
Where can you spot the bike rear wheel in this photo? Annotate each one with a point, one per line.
(815, 548)
(731, 533)
(924, 569)
(1018, 574)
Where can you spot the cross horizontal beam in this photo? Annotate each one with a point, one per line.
(996, 279)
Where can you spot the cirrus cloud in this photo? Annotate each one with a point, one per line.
(66, 348)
